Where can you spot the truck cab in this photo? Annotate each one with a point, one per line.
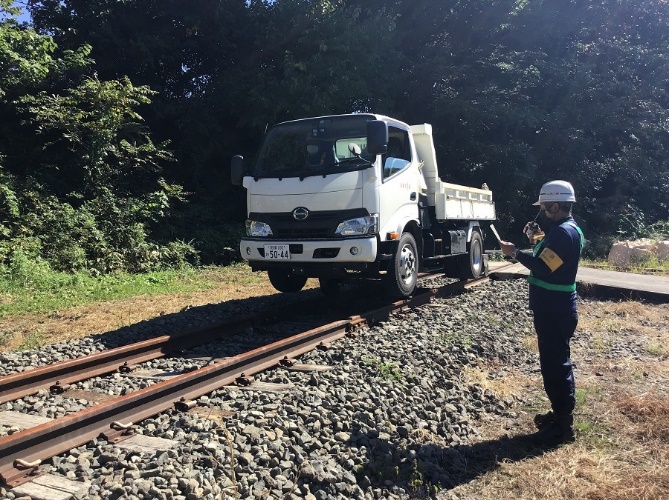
(343, 198)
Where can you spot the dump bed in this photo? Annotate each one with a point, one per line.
(451, 201)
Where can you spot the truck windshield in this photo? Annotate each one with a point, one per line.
(317, 146)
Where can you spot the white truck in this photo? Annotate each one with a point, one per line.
(358, 196)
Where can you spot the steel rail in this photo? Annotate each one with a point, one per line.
(21, 384)
(63, 373)
(30, 446)
(22, 452)
(46, 377)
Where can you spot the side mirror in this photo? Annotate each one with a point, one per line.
(237, 170)
(377, 137)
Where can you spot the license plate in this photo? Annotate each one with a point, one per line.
(277, 252)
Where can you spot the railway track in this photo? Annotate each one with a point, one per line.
(22, 453)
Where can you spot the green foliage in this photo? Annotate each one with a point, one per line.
(598, 246)
(102, 132)
(9, 207)
(390, 371)
(631, 222)
(659, 230)
(517, 93)
(82, 191)
(215, 237)
(8, 7)
(632, 226)
(418, 482)
(316, 67)
(28, 273)
(522, 93)
(218, 243)
(25, 57)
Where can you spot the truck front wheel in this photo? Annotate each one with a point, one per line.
(403, 273)
(285, 281)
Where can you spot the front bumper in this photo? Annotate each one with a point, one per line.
(350, 250)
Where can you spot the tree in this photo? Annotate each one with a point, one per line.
(523, 92)
(517, 92)
(80, 178)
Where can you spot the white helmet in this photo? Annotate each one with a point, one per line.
(556, 191)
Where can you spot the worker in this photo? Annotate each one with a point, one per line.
(552, 298)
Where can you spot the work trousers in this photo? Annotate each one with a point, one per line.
(554, 331)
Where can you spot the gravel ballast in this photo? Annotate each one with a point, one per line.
(389, 419)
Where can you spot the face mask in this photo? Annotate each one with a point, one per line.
(545, 223)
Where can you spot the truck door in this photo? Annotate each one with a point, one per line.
(399, 190)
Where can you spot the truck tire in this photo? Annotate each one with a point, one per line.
(286, 282)
(403, 272)
(329, 286)
(473, 265)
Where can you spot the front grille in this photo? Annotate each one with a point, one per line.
(318, 225)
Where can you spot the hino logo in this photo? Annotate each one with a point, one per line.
(300, 213)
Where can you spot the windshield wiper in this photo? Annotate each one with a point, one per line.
(355, 159)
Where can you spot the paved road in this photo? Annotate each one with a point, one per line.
(655, 287)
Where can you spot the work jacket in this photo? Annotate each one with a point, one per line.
(553, 266)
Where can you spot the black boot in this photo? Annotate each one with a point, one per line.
(542, 420)
(560, 431)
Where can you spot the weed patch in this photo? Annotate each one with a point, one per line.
(387, 370)
(32, 340)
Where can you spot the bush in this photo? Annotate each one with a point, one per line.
(68, 237)
(598, 247)
(659, 230)
(205, 224)
(27, 272)
(219, 244)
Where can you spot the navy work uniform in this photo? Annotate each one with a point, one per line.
(552, 279)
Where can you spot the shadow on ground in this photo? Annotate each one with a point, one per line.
(427, 470)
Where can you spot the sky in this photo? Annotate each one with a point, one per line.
(23, 18)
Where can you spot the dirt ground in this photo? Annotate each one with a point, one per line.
(621, 357)
(102, 317)
(621, 354)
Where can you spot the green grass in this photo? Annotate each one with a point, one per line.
(652, 266)
(390, 371)
(41, 290)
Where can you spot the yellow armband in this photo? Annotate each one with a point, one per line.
(551, 259)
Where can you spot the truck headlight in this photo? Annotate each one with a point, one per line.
(359, 226)
(255, 228)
